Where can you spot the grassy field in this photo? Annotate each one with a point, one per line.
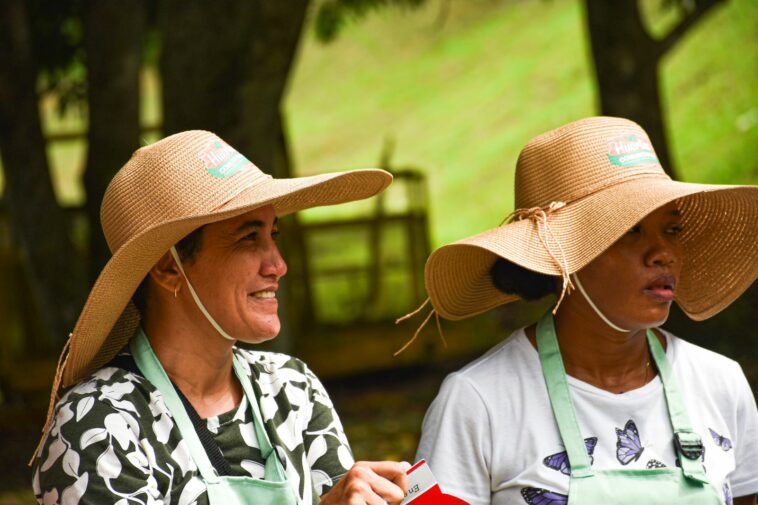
(460, 100)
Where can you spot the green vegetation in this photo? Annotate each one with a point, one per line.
(460, 94)
(461, 100)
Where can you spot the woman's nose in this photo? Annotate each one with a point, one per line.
(662, 251)
(274, 264)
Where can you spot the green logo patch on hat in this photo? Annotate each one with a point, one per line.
(630, 151)
(221, 160)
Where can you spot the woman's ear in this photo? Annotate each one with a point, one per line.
(166, 275)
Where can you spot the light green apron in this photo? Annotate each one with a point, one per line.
(274, 489)
(685, 485)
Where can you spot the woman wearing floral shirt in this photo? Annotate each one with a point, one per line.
(182, 415)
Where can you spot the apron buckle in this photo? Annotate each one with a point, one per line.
(689, 444)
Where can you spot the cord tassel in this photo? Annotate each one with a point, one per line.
(439, 329)
(410, 315)
(540, 217)
(415, 335)
(418, 331)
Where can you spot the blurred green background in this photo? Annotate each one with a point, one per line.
(446, 90)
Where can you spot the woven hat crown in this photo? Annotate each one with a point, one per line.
(185, 175)
(581, 158)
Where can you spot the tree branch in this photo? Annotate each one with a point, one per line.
(673, 37)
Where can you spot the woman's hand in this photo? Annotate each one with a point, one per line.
(370, 483)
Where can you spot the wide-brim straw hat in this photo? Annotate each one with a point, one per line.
(164, 192)
(579, 188)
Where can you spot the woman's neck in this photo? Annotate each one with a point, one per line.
(595, 353)
(201, 365)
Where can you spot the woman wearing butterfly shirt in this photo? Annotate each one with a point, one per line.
(182, 414)
(595, 404)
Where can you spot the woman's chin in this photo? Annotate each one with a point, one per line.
(260, 334)
(653, 318)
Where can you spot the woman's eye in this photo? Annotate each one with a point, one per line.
(633, 230)
(275, 234)
(674, 230)
(252, 236)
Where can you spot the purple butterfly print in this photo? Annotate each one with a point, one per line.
(628, 445)
(721, 441)
(654, 463)
(539, 496)
(727, 494)
(559, 461)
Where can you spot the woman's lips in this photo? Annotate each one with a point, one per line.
(661, 294)
(662, 288)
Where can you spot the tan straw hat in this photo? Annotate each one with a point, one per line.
(578, 189)
(164, 192)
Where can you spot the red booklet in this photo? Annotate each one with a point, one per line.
(423, 488)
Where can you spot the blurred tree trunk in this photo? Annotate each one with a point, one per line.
(224, 68)
(626, 64)
(54, 269)
(298, 311)
(113, 43)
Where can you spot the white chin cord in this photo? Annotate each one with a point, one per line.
(589, 300)
(199, 303)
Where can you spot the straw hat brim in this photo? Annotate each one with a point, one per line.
(719, 237)
(108, 319)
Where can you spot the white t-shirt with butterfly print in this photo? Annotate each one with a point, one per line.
(490, 436)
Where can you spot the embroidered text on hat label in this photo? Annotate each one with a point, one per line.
(630, 151)
(221, 160)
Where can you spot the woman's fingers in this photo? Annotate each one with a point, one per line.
(387, 479)
(372, 483)
(401, 480)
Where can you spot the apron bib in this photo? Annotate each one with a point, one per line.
(658, 486)
(274, 489)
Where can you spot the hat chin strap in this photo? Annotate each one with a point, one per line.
(197, 298)
(597, 311)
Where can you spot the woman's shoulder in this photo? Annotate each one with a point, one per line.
(705, 369)
(275, 372)
(110, 386)
(510, 361)
(110, 401)
(269, 359)
(284, 367)
(686, 353)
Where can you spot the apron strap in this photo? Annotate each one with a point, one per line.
(687, 444)
(150, 365)
(274, 474)
(273, 465)
(153, 371)
(560, 398)
(219, 462)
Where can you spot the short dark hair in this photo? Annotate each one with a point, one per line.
(513, 279)
(187, 249)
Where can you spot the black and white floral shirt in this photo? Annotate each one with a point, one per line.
(113, 440)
